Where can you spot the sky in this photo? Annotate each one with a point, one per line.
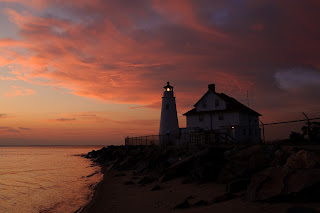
(91, 72)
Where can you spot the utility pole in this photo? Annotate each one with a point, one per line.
(248, 97)
(308, 129)
(263, 138)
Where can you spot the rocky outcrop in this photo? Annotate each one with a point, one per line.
(284, 184)
(303, 160)
(265, 173)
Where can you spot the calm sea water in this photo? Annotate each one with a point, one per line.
(45, 179)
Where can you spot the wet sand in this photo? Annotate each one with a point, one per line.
(113, 195)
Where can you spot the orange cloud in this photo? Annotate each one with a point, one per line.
(95, 51)
(63, 120)
(20, 91)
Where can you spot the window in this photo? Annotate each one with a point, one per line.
(244, 131)
(250, 131)
(217, 102)
(221, 117)
(201, 117)
(167, 106)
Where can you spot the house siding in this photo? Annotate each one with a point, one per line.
(208, 103)
(210, 121)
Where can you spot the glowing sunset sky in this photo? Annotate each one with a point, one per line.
(92, 72)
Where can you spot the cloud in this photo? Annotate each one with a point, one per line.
(126, 57)
(63, 120)
(24, 128)
(20, 91)
(3, 116)
(297, 77)
(8, 130)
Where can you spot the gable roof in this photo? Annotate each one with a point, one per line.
(232, 105)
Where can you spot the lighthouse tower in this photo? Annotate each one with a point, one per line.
(169, 120)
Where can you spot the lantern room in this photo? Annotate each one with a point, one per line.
(168, 88)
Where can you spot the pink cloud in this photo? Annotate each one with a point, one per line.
(20, 91)
(125, 52)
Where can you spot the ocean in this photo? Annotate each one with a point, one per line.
(46, 179)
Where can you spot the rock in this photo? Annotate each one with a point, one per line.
(184, 205)
(245, 154)
(233, 171)
(267, 184)
(201, 203)
(289, 149)
(128, 182)
(238, 185)
(301, 210)
(280, 158)
(146, 180)
(178, 169)
(156, 188)
(304, 185)
(225, 197)
(303, 160)
(260, 161)
(171, 161)
(120, 175)
(284, 184)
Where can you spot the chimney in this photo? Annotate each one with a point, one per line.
(212, 87)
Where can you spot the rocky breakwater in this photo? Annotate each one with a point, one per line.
(255, 173)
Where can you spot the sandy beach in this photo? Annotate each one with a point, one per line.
(123, 191)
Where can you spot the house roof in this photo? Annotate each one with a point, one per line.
(232, 105)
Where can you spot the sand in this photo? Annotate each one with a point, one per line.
(112, 195)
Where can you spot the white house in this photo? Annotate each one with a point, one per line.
(218, 112)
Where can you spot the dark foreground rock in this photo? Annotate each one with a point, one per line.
(184, 205)
(265, 173)
(303, 160)
(285, 184)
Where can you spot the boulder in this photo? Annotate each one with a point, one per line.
(303, 160)
(245, 154)
(280, 158)
(146, 180)
(201, 203)
(225, 197)
(156, 188)
(301, 210)
(284, 184)
(184, 205)
(238, 185)
(260, 161)
(233, 171)
(128, 182)
(178, 169)
(267, 184)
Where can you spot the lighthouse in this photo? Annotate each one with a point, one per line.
(169, 119)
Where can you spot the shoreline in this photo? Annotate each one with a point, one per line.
(122, 190)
